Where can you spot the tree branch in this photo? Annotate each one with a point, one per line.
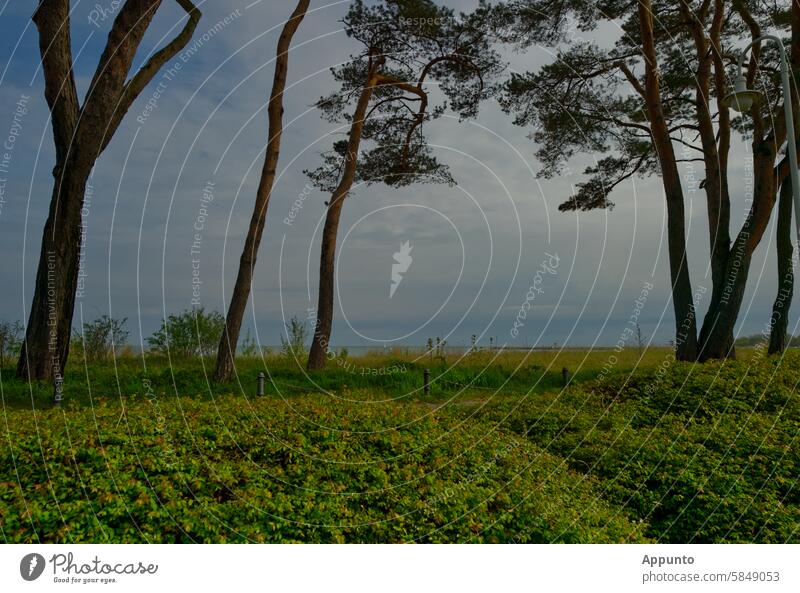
(53, 23)
(635, 83)
(147, 72)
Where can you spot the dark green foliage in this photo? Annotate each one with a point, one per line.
(419, 44)
(388, 377)
(585, 100)
(191, 333)
(699, 453)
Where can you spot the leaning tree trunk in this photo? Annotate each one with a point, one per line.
(322, 330)
(682, 299)
(46, 347)
(779, 321)
(244, 279)
(80, 134)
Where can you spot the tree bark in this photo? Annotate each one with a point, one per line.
(715, 143)
(80, 134)
(780, 308)
(226, 352)
(322, 330)
(46, 347)
(682, 298)
(716, 334)
(779, 321)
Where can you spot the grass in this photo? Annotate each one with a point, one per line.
(396, 374)
(637, 448)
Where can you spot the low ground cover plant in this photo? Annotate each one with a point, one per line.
(309, 470)
(651, 450)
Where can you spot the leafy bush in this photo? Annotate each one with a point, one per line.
(294, 344)
(10, 340)
(99, 338)
(191, 333)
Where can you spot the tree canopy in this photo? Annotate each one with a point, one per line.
(415, 45)
(590, 99)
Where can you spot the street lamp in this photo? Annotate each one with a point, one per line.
(742, 99)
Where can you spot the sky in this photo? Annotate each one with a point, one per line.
(170, 200)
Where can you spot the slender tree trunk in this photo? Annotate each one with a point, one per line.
(682, 298)
(46, 347)
(719, 203)
(226, 352)
(780, 308)
(715, 143)
(322, 330)
(779, 321)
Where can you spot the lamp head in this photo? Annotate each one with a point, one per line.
(742, 98)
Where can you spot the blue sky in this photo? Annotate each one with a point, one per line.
(478, 248)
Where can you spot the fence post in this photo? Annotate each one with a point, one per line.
(565, 377)
(426, 378)
(261, 377)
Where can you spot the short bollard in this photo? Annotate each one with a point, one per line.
(565, 377)
(426, 382)
(58, 389)
(261, 377)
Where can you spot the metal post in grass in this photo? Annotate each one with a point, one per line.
(565, 376)
(58, 391)
(426, 381)
(261, 378)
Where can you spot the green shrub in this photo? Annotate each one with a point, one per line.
(191, 333)
(98, 339)
(10, 341)
(293, 345)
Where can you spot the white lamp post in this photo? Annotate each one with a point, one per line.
(742, 99)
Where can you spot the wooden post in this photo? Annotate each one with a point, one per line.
(565, 377)
(426, 378)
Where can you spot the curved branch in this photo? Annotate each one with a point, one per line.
(384, 79)
(635, 83)
(147, 72)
